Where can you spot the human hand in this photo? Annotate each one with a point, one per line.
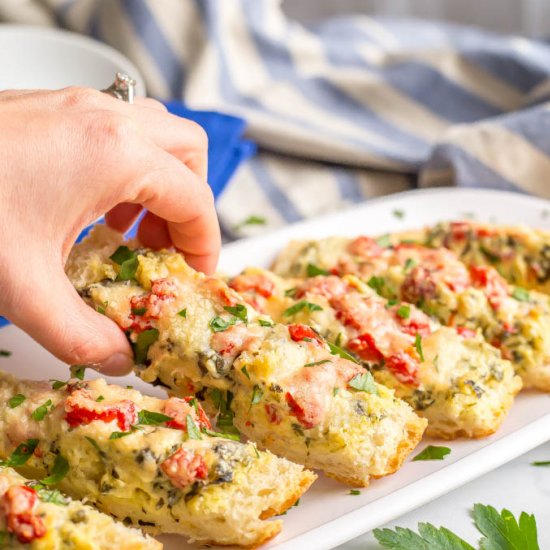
(68, 157)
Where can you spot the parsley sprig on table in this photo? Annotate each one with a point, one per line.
(501, 531)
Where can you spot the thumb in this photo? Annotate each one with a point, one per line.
(50, 310)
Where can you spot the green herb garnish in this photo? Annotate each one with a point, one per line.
(120, 435)
(77, 371)
(354, 492)
(291, 292)
(58, 384)
(418, 346)
(432, 452)
(251, 220)
(239, 311)
(501, 531)
(541, 463)
(21, 454)
(5, 353)
(59, 471)
(144, 341)
(384, 241)
(409, 264)
(128, 261)
(337, 350)
(299, 306)
(151, 418)
(364, 382)
(94, 444)
(245, 372)
(376, 283)
(52, 496)
(404, 311)
(139, 310)
(16, 400)
(192, 430)
(218, 324)
(40, 412)
(264, 323)
(233, 437)
(257, 394)
(398, 213)
(520, 294)
(314, 270)
(183, 313)
(316, 363)
(100, 399)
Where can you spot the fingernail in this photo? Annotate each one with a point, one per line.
(117, 365)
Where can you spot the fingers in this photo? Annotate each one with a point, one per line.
(123, 216)
(153, 232)
(174, 193)
(57, 318)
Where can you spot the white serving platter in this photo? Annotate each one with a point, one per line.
(328, 515)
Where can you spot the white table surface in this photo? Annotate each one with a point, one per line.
(517, 486)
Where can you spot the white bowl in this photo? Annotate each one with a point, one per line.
(38, 57)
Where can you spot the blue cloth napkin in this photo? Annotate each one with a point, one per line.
(226, 150)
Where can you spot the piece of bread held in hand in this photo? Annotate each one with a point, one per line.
(280, 386)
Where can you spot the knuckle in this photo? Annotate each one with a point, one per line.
(108, 130)
(79, 96)
(200, 137)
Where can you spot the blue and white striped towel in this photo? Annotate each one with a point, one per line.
(345, 110)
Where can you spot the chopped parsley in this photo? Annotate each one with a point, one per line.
(384, 241)
(218, 324)
(501, 531)
(541, 463)
(21, 454)
(364, 382)
(5, 353)
(100, 399)
(335, 391)
(432, 452)
(233, 437)
(251, 220)
(239, 311)
(222, 402)
(264, 323)
(144, 341)
(299, 306)
(313, 270)
(52, 496)
(41, 411)
(376, 283)
(128, 261)
(139, 310)
(404, 311)
(58, 384)
(354, 492)
(120, 435)
(151, 418)
(398, 213)
(418, 346)
(291, 292)
(316, 363)
(520, 294)
(409, 264)
(94, 444)
(257, 394)
(59, 471)
(77, 371)
(245, 372)
(337, 350)
(183, 313)
(192, 430)
(16, 400)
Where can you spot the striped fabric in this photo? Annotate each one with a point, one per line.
(344, 110)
